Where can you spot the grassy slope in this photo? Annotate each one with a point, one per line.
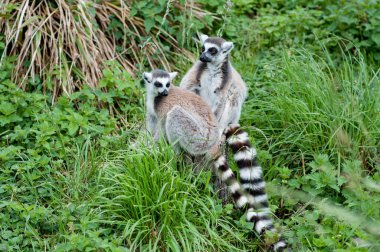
(317, 128)
(123, 197)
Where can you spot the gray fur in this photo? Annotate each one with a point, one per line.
(182, 117)
(158, 73)
(215, 40)
(189, 131)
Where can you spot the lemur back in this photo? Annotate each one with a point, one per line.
(188, 120)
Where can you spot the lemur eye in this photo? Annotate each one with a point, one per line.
(158, 84)
(213, 50)
(203, 48)
(167, 85)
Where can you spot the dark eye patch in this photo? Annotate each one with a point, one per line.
(213, 50)
(203, 48)
(167, 85)
(158, 84)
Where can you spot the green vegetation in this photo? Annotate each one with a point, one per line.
(319, 126)
(73, 178)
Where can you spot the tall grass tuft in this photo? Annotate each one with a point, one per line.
(61, 45)
(156, 204)
(309, 105)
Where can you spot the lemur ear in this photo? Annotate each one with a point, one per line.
(227, 47)
(147, 77)
(173, 75)
(203, 38)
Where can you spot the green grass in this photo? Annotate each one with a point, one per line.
(317, 125)
(310, 106)
(73, 180)
(138, 199)
(155, 205)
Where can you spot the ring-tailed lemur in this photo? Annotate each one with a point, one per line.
(216, 81)
(221, 86)
(187, 122)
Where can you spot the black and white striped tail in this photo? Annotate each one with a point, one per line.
(227, 176)
(251, 179)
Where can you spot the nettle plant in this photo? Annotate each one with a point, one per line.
(47, 151)
(34, 131)
(266, 24)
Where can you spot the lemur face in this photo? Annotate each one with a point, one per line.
(214, 49)
(158, 82)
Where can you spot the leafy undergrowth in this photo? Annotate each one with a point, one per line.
(47, 157)
(73, 179)
(318, 126)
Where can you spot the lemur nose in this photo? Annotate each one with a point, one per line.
(164, 93)
(204, 58)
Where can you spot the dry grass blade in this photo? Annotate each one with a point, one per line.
(64, 44)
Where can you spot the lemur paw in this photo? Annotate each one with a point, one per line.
(231, 127)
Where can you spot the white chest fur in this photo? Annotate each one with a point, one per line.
(210, 80)
(150, 106)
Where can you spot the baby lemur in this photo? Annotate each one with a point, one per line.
(187, 122)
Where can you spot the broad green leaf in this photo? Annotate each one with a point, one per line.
(376, 38)
(7, 108)
(148, 23)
